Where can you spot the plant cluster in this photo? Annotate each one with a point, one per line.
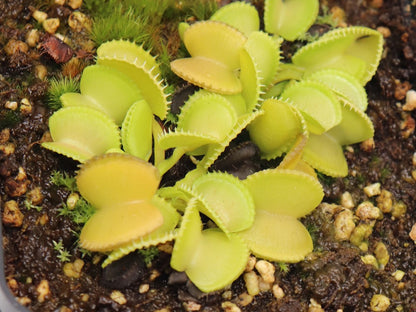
(303, 111)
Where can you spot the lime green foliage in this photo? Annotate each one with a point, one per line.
(291, 18)
(125, 89)
(240, 15)
(164, 233)
(81, 133)
(214, 48)
(141, 68)
(59, 86)
(277, 129)
(355, 50)
(300, 113)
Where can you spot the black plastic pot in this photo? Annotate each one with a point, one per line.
(8, 302)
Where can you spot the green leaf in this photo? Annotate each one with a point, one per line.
(200, 253)
(356, 50)
(146, 80)
(273, 191)
(81, 133)
(344, 85)
(278, 238)
(188, 238)
(121, 188)
(129, 52)
(161, 235)
(226, 200)
(112, 90)
(325, 154)
(276, 130)
(240, 15)
(251, 81)
(77, 99)
(218, 260)
(317, 103)
(207, 114)
(355, 126)
(136, 130)
(265, 52)
(214, 63)
(289, 18)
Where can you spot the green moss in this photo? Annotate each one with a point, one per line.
(325, 179)
(59, 86)
(8, 119)
(63, 179)
(283, 267)
(28, 204)
(63, 254)
(80, 213)
(149, 254)
(326, 18)
(120, 24)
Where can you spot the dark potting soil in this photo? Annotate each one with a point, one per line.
(335, 276)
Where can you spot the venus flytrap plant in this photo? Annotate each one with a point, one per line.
(302, 111)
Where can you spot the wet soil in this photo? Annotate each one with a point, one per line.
(334, 276)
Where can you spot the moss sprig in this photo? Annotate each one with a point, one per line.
(63, 179)
(59, 86)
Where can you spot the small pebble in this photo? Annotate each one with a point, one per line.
(118, 296)
(344, 225)
(367, 145)
(379, 303)
(347, 200)
(266, 270)
(50, 25)
(373, 189)
(144, 288)
(367, 211)
(382, 254)
(384, 31)
(252, 283)
(412, 233)
(410, 100)
(398, 275)
(39, 16)
(278, 292)
(43, 290)
(228, 306)
(244, 299)
(385, 201)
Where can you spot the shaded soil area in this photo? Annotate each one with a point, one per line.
(334, 276)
